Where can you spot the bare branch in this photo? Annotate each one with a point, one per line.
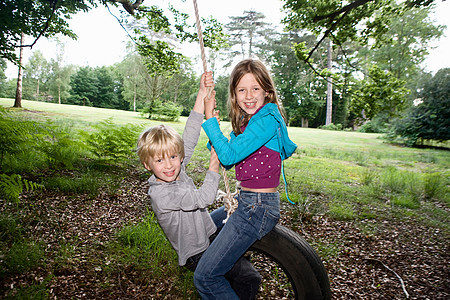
(399, 278)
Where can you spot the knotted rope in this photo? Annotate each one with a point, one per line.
(228, 198)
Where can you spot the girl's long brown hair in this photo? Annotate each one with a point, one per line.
(237, 116)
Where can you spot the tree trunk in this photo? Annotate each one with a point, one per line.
(329, 89)
(59, 87)
(134, 97)
(37, 90)
(305, 123)
(18, 100)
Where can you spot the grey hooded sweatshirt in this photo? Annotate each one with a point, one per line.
(181, 208)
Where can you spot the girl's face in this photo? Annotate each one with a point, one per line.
(249, 94)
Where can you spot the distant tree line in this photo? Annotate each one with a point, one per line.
(321, 72)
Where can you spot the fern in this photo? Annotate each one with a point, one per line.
(17, 134)
(12, 186)
(112, 142)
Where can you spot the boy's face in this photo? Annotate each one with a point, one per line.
(166, 168)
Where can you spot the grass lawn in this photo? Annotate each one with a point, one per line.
(357, 170)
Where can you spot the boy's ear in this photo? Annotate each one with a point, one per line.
(147, 167)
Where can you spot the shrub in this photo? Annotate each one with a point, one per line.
(331, 126)
(10, 231)
(368, 175)
(429, 120)
(167, 111)
(16, 135)
(434, 185)
(88, 183)
(406, 201)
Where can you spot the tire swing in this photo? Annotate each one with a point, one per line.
(306, 276)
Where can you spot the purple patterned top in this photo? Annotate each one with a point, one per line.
(261, 169)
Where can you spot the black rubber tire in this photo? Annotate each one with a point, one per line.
(300, 262)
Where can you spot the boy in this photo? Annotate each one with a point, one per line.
(181, 208)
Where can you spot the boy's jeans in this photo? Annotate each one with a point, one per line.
(256, 215)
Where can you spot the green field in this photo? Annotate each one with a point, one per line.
(357, 171)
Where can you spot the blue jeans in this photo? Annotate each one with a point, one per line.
(256, 215)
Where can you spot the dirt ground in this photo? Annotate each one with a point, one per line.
(393, 260)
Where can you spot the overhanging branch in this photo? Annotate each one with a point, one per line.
(47, 23)
(345, 9)
(325, 35)
(129, 6)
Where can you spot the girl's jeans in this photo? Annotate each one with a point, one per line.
(256, 215)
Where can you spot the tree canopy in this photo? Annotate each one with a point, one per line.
(429, 119)
(375, 77)
(44, 18)
(38, 18)
(361, 21)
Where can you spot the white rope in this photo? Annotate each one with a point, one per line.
(229, 201)
(200, 36)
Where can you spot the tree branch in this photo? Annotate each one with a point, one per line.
(47, 23)
(327, 32)
(120, 23)
(345, 9)
(337, 42)
(129, 6)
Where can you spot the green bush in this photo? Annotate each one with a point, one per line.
(88, 183)
(16, 135)
(434, 185)
(429, 120)
(406, 201)
(167, 111)
(332, 126)
(368, 175)
(10, 231)
(36, 291)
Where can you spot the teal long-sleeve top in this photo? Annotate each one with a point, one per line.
(266, 128)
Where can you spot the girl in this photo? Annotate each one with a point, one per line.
(259, 142)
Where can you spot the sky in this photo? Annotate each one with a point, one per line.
(102, 41)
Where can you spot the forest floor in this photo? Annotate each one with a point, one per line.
(367, 259)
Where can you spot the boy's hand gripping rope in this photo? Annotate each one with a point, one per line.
(230, 202)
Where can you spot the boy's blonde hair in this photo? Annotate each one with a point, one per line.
(238, 117)
(160, 140)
